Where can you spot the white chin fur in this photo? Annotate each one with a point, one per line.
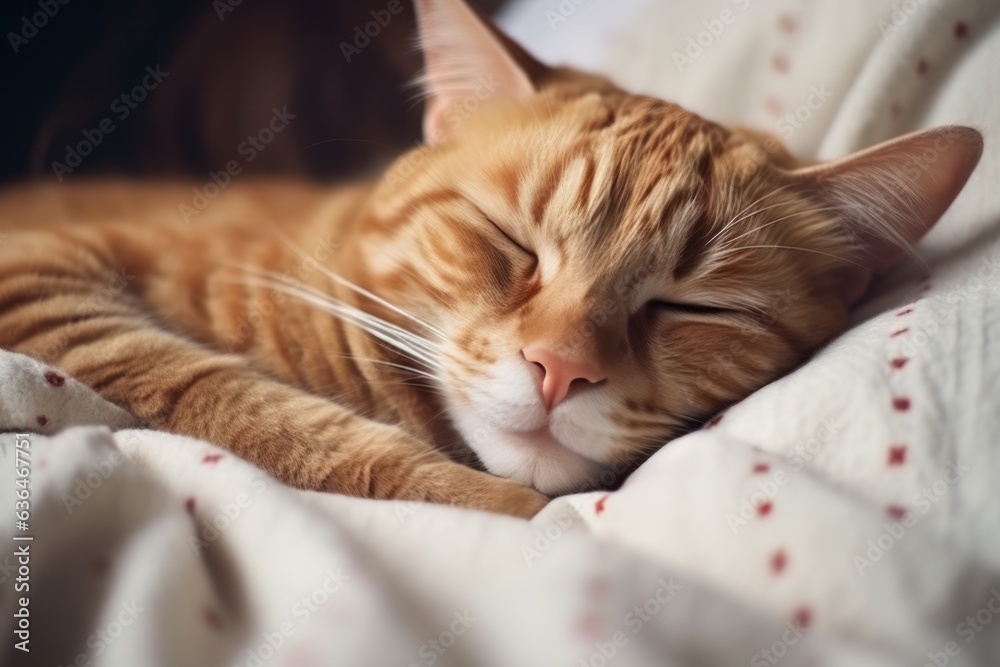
(549, 467)
(498, 416)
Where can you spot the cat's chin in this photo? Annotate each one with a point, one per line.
(533, 458)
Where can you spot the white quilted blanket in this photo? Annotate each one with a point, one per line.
(845, 515)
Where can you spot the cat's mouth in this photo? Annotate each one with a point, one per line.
(502, 419)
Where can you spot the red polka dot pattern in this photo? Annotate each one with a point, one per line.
(897, 455)
(590, 625)
(780, 63)
(212, 618)
(774, 106)
(778, 561)
(599, 587)
(897, 512)
(55, 379)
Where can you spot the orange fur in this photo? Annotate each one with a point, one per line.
(681, 257)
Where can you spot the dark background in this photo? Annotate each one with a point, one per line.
(229, 65)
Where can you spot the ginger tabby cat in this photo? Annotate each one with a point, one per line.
(565, 277)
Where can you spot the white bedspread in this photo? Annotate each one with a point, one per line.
(845, 515)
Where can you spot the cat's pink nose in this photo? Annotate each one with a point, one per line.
(559, 374)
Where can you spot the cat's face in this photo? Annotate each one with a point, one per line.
(584, 248)
(606, 270)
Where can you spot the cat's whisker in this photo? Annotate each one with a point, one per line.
(752, 204)
(729, 241)
(344, 282)
(436, 416)
(389, 348)
(741, 218)
(745, 209)
(743, 214)
(430, 345)
(785, 247)
(403, 367)
(402, 340)
(343, 396)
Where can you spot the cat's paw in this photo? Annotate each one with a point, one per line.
(525, 504)
(512, 499)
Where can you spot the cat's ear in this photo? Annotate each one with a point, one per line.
(466, 62)
(890, 195)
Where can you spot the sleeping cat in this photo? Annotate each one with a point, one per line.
(562, 279)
